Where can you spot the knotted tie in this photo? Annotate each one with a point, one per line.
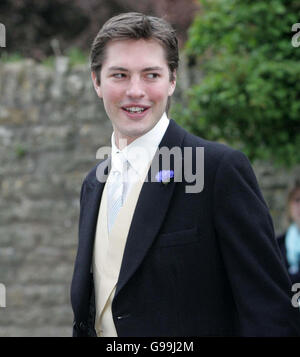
(115, 190)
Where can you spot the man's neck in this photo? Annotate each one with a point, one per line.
(122, 142)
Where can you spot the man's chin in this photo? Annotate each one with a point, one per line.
(135, 133)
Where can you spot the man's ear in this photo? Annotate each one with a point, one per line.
(172, 83)
(97, 86)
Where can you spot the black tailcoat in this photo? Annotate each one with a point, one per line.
(194, 264)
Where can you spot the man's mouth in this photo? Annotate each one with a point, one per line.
(134, 109)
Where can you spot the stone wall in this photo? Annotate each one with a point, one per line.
(51, 125)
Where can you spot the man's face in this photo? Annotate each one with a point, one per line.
(134, 85)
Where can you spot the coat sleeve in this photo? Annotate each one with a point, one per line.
(82, 328)
(259, 280)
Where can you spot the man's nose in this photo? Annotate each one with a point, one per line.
(135, 88)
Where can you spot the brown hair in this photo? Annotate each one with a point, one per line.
(134, 25)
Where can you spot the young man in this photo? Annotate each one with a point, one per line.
(155, 259)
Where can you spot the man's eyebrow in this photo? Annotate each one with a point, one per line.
(147, 69)
(115, 68)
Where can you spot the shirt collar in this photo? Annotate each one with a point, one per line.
(141, 151)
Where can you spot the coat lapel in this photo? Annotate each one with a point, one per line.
(90, 209)
(150, 212)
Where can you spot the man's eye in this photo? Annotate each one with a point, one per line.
(152, 75)
(119, 75)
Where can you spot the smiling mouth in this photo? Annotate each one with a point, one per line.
(135, 110)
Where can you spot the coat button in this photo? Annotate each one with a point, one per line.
(122, 316)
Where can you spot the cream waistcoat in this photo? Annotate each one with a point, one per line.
(108, 254)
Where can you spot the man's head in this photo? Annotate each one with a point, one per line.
(135, 26)
(134, 59)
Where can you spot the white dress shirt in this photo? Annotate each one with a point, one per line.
(139, 153)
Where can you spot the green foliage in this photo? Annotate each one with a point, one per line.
(49, 61)
(9, 58)
(77, 56)
(20, 151)
(249, 94)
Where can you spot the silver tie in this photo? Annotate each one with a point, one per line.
(115, 192)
